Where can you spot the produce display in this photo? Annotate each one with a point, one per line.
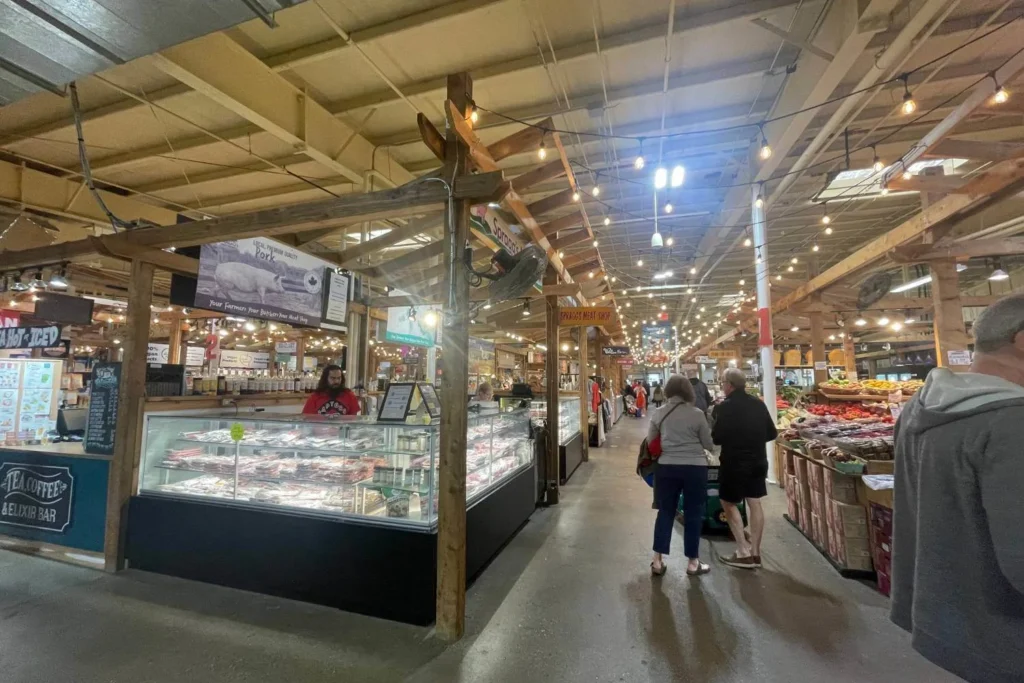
(840, 386)
(870, 387)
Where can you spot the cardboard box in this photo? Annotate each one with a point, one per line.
(805, 518)
(884, 583)
(801, 471)
(857, 554)
(841, 487)
(881, 518)
(791, 487)
(817, 530)
(818, 504)
(817, 477)
(794, 509)
(849, 520)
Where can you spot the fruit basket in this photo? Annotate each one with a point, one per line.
(844, 462)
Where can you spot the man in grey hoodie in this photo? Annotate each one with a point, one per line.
(958, 538)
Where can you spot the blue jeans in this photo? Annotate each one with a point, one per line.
(669, 482)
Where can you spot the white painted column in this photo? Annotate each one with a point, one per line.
(764, 319)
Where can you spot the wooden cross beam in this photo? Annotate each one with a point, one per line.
(959, 251)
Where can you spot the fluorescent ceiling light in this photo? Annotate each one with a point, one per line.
(997, 274)
(921, 281)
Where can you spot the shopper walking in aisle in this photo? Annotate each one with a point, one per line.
(742, 427)
(700, 390)
(958, 542)
(641, 399)
(657, 395)
(682, 468)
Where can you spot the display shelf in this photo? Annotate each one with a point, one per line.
(859, 397)
(845, 572)
(225, 470)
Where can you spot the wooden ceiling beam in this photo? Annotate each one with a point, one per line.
(959, 251)
(571, 239)
(526, 138)
(406, 200)
(411, 229)
(551, 202)
(937, 184)
(405, 261)
(979, 195)
(976, 150)
(548, 171)
(572, 220)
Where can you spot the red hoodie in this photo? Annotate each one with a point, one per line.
(320, 403)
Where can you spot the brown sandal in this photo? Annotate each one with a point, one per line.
(655, 572)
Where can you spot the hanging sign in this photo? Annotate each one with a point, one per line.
(721, 354)
(417, 329)
(336, 297)
(959, 357)
(29, 337)
(396, 403)
(688, 366)
(287, 347)
(703, 359)
(488, 221)
(615, 350)
(261, 278)
(36, 496)
(585, 316)
(103, 398)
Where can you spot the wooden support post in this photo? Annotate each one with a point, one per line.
(300, 353)
(584, 393)
(174, 343)
(451, 519)
(551, 473)
(948, 321)
(121, 479)
(849, 351)
(817, 330)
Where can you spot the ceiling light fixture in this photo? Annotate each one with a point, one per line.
(668, 207)
(766, 151)
(909, 106)
(542, 152)
(660, 178)
(678, 176)
(639, 162)
(759, 202)
(877, 164)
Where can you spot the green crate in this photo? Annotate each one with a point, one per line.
(714, 515)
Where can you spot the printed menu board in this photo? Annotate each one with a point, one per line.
(396, 402)
(36, 405)
(10, 374)
(430, 399)
(99, 430)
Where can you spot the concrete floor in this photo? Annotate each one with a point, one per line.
(570, 599)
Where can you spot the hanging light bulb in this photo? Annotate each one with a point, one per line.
(759, 202)
(526, 308)
(561, 254)
(473, 115)
(883, 321)
(999, 274)
(639, 263)
(596, 191)
(794, 260)
(907, 175)
(814, 248)
(595, 244)
(877, 165)
(607, 221)
(668, 207)
(747, 242)
(885, 189)
(742, 281)
(542, 152)
(693, 270)
(678, 176)
(430, 318)
(766, 150)
(909, 106)
(789, 268)
(575, 196)
(1001, 96)
(779, 276)
(639, 162)
(825, 218)
(860, 322)
(828, 230)
(660, 178)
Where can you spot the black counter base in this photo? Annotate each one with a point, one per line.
(569, 457)
(375, 570)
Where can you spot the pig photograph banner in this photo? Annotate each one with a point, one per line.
(261, 278)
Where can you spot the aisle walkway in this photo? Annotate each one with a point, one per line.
(569, 600)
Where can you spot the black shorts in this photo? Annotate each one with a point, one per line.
(737, 481)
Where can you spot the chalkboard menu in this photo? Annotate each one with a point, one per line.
(99, 431)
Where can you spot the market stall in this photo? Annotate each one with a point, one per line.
(836, 459)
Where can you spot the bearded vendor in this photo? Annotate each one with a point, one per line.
(331, 396)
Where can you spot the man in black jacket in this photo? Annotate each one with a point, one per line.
(742, 427)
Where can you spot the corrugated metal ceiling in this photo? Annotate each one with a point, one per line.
(46, 44)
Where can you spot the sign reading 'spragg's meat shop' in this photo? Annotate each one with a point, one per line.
(36, 496)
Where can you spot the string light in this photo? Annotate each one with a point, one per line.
(828, 230)
(814, 248)
(860, 322)
(596, 191)
(607, 221)
(759, 202)
(473, 115)
(638, 163)
(693, 271)
(877, 165)
(747, 242)
(575, 196)
(885, 189)
(794, 260)
(678, 176)
(542, 152)
(561, 254)
(825, 218)
(669, 241)
(526, 308)
(668, 207)
(1001, 96)
(660, 178)
(909, 106)
(595, 244)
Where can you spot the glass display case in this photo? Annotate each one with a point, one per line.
(348, 467)
(568, 416)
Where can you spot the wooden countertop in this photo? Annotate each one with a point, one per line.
(68, 449)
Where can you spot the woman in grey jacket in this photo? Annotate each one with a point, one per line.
(682, 468)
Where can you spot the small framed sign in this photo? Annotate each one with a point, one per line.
(430, 399)
(397, 401)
